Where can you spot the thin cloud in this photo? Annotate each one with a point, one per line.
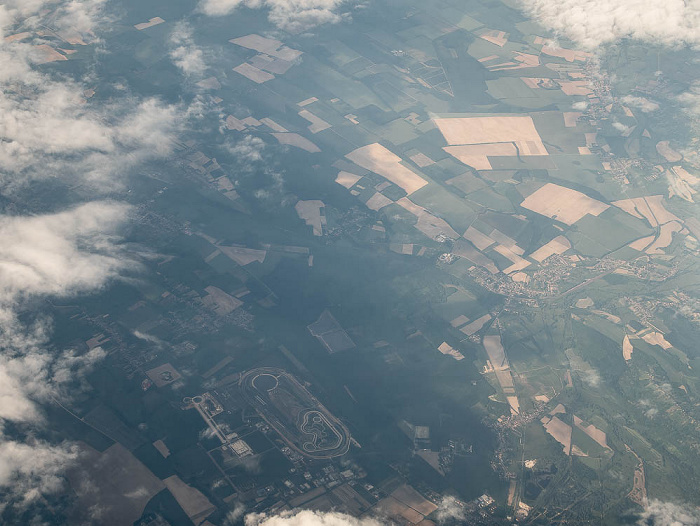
(185, 54)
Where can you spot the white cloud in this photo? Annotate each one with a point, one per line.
(309, 518)
(59, 254)
(592, 23)
(185, 54)
(659, 513)
(691, 99)
(644, 104)
(294, 16)
(450, 509)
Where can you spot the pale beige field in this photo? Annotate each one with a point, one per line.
(477, 238)
(567, 54)
(191, 500)
(220, 302)
(310, 213)
(499, 38)
(627, 348)
(273, 125)
(152, 22)
(558, 245)
(427, 223)
(446, 348)
(563, 204)
(570, 118)
(243, 255)
(493, 129)
(476, 155)
(459, 321)
(421, 160)
(294, 139)
(592, 431)
(476, 325)
(496, 352)
(251, 72)
(665, 237)
(656, 338)
(650, 208)
(269, 46)
(378, 201)
(317, 124)
(379, 160)
(306, 102)
(667, 152)
(410, 497)
(560, 431)
(347, 179)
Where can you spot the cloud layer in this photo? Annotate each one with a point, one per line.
(294, 16)
(54, 255)
(592, 23)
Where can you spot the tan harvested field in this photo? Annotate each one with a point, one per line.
(558, 245)
(379, 160)
(242, 255)
(446, 348)
(306, 102)
(17, 36)
(499, 38)
(518, 262)
(584, 303)
(273, 125)
(162, 448)
(421, 160)
(378, 201)
(494, 129)
(410, 497)
(43, 54)
(477, 238)
(269, 46)
(514, 404)
(584, 150)
(393, 509)
(650, 208)
(656, 338)
(427, 223)
(347, 179)
(220, 302)
(592, 431)
(232, 123)
(251, 72)
(576, 87)
(310, 213)
(563, 204)
(627, 348)
(152, 22)
(667, 152)
(685, 175)
(476, 155)
(567, 54)
(559, 409)
(114, 482)
(560, 431)
(496, 352)
(610, 317)
(192, 501)
(570, 118)
(641, 244)
(317, 124)
(163, 375)
(459, 321)
(476, 325)
(294, 139)
(664, 239)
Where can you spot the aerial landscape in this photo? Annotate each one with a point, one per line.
(349, 262)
